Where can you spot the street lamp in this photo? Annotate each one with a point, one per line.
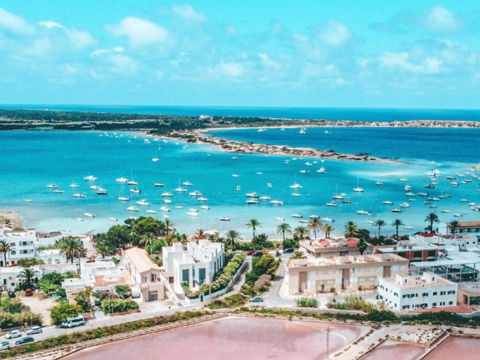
(328, 342)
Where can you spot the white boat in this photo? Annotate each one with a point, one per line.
(203, 199)
(77, 195)
(113, 219)
(121, 180)
(133, 208)
(165, 209)
(155, 159)
(73, 186)
(403, 180)
(94, 187)
(296, 194)
(258, 173)
(235, 175)
(238, 188)
(252, 201)
(178, 207)
(314, 217)
(422, 194)
(143, 202)
(90, 178)
(322, 170)
(224, 218)
(166, 194)
(51, 186)
(265, 197)
(102, 191)
(28, 200)
(89, 215)
(302, 131)
(58, 191)
(79, 219)
(192, 213)
(205, 207)
(276, 202)
(327, 219)
(297, 216)
(296, 186)
(251, 194)
(269, 184)
(304, 171)
(187, 183)
(150, 211)
(396, 210)
(379, 183)
(332, 204)
(362, 212)
(167, 201)
(338, 197)
(358, 189)
(457, 215)
(132, 183)
(388, 202)
(123, 198)
(410, 194)
(135, 191)
(181, 189)
(195, 193)
(159, 185)
(445, 211)
(404, 205)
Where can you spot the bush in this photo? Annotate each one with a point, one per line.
(8, 320)
(231, 301)
(352, 303)
(27, 262)
(307, 302)
(265, 264)
(63, 311)
(11, 306)
(123, 291)
(111, 306)
(83, 300)
(291, 244)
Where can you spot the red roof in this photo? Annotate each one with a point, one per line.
(428, 235)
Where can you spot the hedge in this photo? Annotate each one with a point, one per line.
(79, 337)
(111, 306)
(222, 280)
(8, 320)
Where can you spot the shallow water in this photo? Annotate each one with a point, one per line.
(395, 352)
(457, 348)
(233, 339)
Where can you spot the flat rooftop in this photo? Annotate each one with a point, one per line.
(344, 260)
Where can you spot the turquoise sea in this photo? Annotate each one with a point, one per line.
(32, 159)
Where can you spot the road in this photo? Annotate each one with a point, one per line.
(273, 298)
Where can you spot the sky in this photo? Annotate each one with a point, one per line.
(309, 53)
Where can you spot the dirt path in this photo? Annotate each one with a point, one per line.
(40, 306)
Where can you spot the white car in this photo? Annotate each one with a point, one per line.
(4, 345)
(13, 334)
(35, 330)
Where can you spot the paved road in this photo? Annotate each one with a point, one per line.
(272, 298)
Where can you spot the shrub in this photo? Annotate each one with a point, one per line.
(8, 320)
(111, 306)
(352, 303)
(265, 264)
(307, 302)
(63, 311)
(123, 291)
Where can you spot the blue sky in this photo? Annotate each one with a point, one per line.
(340, 53)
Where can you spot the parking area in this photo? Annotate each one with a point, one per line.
(40, 306)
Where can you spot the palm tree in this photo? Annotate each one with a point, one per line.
(200, 234)
(71, 247)
(297, 255)
(431, 218)
(147, 240)
(26, 276)
(351, 229)
(300, 232)
(327, 229)
(232, 236)
(284, 228)
(453, 227)
(168, 226)
(253, 223)
(379, 223)
(315, 224)
(396, 224)
(4, 248)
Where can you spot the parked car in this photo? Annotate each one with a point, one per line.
(24, 340)
(250, 252)
(29, 292)
(35, 330)
(288, 250)
(11, 294)
(90, 261)
(13, 334)
(73, 322)
(4, 345)
(256, 299)
(258, 253)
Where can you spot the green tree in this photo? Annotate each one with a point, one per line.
(431, 218)
(61, 312)
(71, 247)
(351, 229)
(231, 238)
(27, 278)
(284, 228)
(327, 229)
(51, 281)
(379, 224)
(83, 299)
(300, 232)
(157, 246)
(4, 249)
(396, 224)
(200, 234)
(315, 224)
(297, 255)
(253, 223)
(453, 226)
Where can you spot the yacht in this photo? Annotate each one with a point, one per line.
(121, 180)
(192, 213)
(265, 197)
(79, 219)
(166, 194)
(178, 207)
(276, 202)
(187, 183)
(238, 188)
(445, 211)
(296, 186)
(332, 204)
(338, 197)
(181, 189)
(158, 185)
(457, 215)
(347, 201)
(90, 178)
(422, 194)
(297, 216)
(73, 186)
(135, 191)
(167, 201)
(388, 202)
(123, 198)
(252, 201)
(396, 210)
(379, 183)
(102, 191)
(363, 212)
(358, 189)
(195, 193)
(133, 208)
(430, 186)
(224, 218)
(410, 194)
(78, 195)
(251, 194)
(88, 214)
(404, 205)
(296, 194)
(304, 171)
(322, 170)
(203, 199)
(235, 175)
(143, 202)
(302, 131)
(58, 191)
(132, 183)
(403, 180)
(150, 211)
(258, 173)
(28, 200)
(155, 159)
(94, 187)
(165, 209)
(52, 186)
(408, 188)
(205, 207)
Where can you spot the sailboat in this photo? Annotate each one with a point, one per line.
(358, 188)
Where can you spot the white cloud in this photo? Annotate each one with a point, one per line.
(99, 52)
(79, 39)
(187, 12)
(14, 23)
(231, 69)
(141, 32)
(335, 33)
(403, 61)
(268, 62)
(442, 20)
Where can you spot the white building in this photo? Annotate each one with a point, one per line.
(403, 293)
(22, 244)
(195, 264)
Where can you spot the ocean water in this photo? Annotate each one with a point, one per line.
(364, 114)
(32, 159)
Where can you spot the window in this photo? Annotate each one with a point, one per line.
(185, 276)
(435, 293)
(443, 292)
(451, 292)
(425, 294)
(450, 303)
(153, 277)
(201, 276)
(434, 304)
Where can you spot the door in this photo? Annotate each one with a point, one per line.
(152, 295)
